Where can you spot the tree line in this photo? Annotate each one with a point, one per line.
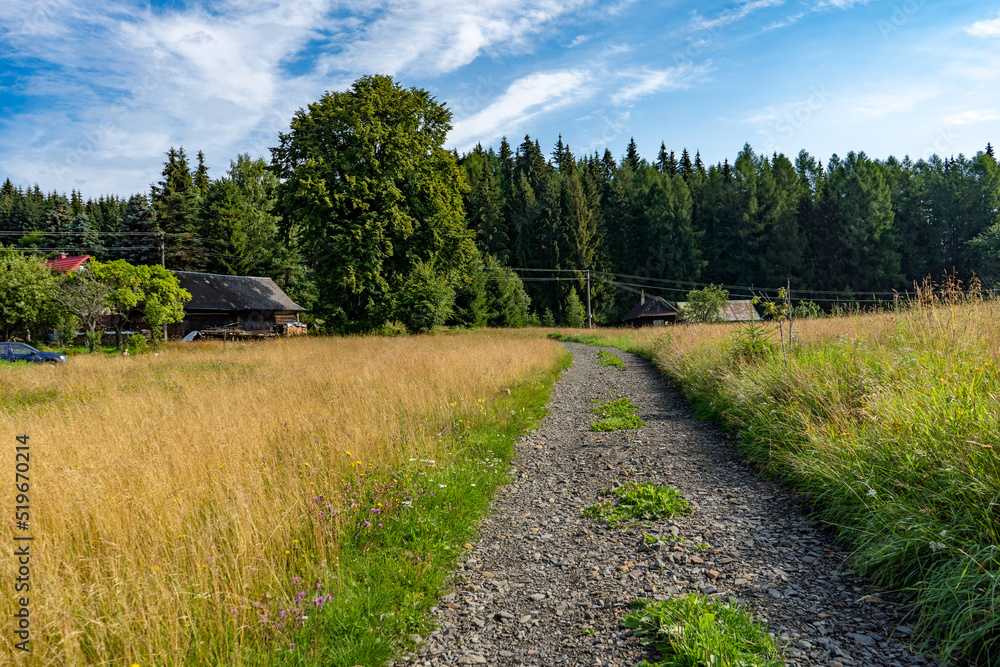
(837, 231)
(364, 217)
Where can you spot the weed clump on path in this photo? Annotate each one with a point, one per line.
(610, 359)
(696, 631)
(639, 502)
(617, 415)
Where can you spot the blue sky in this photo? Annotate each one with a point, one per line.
(92, 94)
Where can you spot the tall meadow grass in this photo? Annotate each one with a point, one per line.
(173, 497)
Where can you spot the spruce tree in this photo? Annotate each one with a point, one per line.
(663, 159)
(82, 238)
(632, 158)
(177, 202)
(144, 248)
(57, 220)
(685, 168)
(201, 179)
(486, 215)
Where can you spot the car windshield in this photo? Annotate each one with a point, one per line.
(20, 350)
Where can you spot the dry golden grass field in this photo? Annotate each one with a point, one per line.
(166, 490)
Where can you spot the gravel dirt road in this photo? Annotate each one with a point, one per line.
(544, 586)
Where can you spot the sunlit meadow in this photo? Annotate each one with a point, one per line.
(186, 506)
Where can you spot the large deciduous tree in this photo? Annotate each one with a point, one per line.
(25, 292)
(374, 199)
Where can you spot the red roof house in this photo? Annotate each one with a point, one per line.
(64, 264)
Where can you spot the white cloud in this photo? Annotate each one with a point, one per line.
(970, 117)
(985, 28)
(741, 11)
(841, 4)
(127, 81)
(652, 81)
(791, 20)
(438, 36)
(525, 98)
(902, 99)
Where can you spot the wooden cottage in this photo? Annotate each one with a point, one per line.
(652, 311)
(242, 302)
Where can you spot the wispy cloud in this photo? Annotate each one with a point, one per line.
(432, 37)
(791, 20)
(741, 11)
(651, 81)
(985, 28)
(970, 117)
(841, 4)
(527, 97)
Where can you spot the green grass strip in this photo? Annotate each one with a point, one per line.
(696, 631)
(618, 415)
(610, 359)
(639, 502)
(401, 542)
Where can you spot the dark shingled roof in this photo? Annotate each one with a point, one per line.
(655, 306)
(211, 291)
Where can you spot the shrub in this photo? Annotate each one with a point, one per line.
(705, 305)
(576, 316)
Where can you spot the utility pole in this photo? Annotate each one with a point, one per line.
(163, 263)
(590, 318)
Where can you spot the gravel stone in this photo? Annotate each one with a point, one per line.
(545, 586)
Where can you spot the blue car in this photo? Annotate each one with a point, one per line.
(22, 352)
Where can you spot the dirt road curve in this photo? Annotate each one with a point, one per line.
(544, 586)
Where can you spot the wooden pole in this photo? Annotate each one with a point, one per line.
(590, 318)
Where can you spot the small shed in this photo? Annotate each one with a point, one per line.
(652, 311)
(740, 311)
(249, 303)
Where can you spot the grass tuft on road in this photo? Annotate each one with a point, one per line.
(696, 631)
(635, 501)
(610, 359)
(617, 415)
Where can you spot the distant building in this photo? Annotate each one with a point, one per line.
(735, 311)
(64, 264)
(740, 311)
(242, 302)
(651, 311)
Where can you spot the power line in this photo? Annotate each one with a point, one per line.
(861, 296)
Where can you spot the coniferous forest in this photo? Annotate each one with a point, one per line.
(849, 230)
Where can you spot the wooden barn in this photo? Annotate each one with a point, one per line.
(244, 302)
(651, 311)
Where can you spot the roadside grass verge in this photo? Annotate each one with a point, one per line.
(401, 534)
(634, 502)
(696, 631)
(209, 505)
(617, 415)
(610, 359)
(887, 426)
